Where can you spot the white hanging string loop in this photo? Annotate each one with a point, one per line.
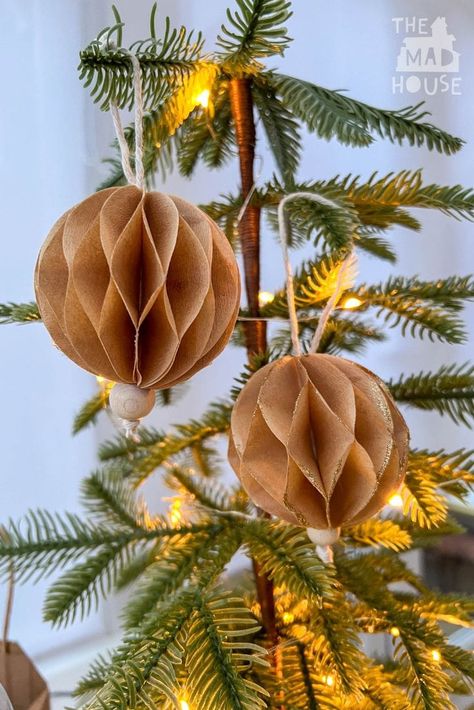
(347, 272)
(290, 289)
(123, 145)
(137, 178)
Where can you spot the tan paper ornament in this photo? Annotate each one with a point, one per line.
(318, 441)
(24, 686)
(139, 287)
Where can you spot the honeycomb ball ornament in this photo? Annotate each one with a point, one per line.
(139, 287)
(318, 441)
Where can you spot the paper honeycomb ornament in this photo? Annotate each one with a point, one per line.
(21, 681)
(318, 441)
(138, 287)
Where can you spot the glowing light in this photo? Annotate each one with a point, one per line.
(395, 631)
(396, 501)
(351, 302)
(264, 298)
(100, 380)
(329, 680)
(288, 618)
(203, 98)
(175, 513)
(183, 705)
(435, 654)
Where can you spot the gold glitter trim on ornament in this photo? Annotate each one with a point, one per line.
(388, 454)
(299, 516)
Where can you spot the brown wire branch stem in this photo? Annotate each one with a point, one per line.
(241, 102)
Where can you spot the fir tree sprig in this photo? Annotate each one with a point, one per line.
(105, 66)
(180, 560)
(42, 543)
(90, 410)
(379, 533)
(448, 391)
(156, 448)
(19, 313)
(406, 189)
(255, 30)
(334, 114)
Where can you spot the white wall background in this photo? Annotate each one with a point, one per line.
(52, 139)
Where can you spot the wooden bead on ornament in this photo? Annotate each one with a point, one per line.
(318, 441)
(130, 402)
(139, 287)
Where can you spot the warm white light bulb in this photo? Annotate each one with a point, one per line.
(351, 302)
(264, 298)
(175, 514)
(183, 705)
(203, 98)
(396, 501)
(435, 654)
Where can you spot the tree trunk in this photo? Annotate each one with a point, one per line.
(249, 232)
(249, 228)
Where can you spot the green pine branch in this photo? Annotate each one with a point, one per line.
(421, 307)
(225, 212)
(313, 284)
(205, 459)
(77, 591)
(375, 245)
(208, 136)
(286, 555)
(341, 335)
(379, 200)
(165, 128)
(143, 669)
(218, 654)
(427, 681)
(42, 543)
(156, 448)
(19, 313)
(333, 114)
(431, 477)
(449, 608)
(255, 30)
(106, 69)
(449, 391)
(178, 561)
(307, 219)
(111, 500)
(280, 128)
(450, 293)
(90, 410)
(209, 494)
(378, 533)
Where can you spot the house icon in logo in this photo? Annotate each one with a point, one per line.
(429, 53)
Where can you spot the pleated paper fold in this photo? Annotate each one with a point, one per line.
(318, 441)
(141, 288)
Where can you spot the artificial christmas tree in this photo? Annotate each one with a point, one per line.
(292, 638)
